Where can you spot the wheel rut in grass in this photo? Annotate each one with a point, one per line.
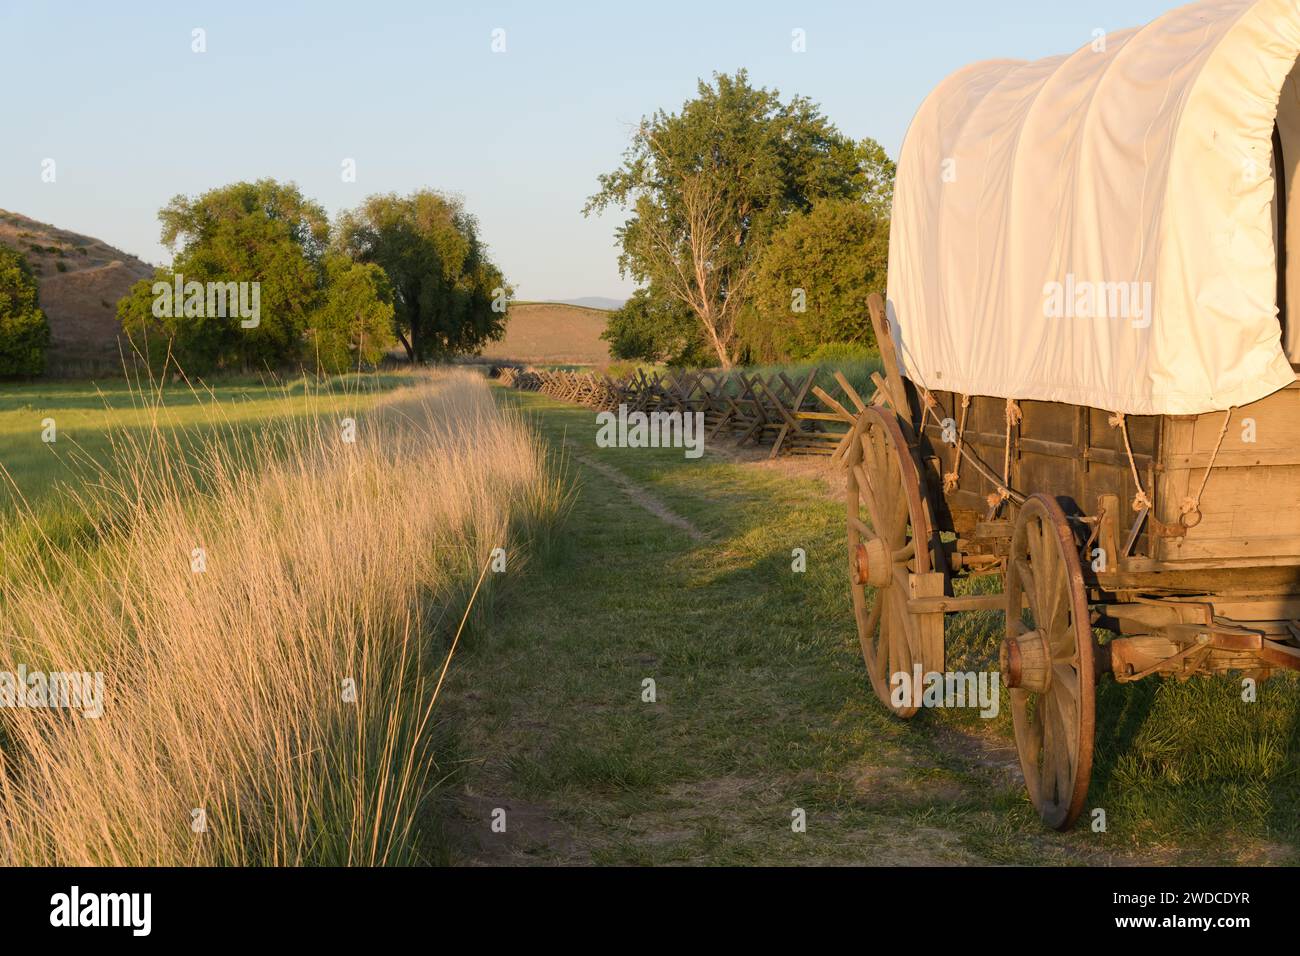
(639, 496)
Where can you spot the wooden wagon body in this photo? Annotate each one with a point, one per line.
(1237, 563)
(1249, 511)
(1154, 531)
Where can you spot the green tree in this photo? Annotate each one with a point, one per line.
(24, 331)
(448, 296)
(653, 327)
(707, 187)
(151, 339)
(263, 232)
(353, 326)
(880, 171)
(812, 281)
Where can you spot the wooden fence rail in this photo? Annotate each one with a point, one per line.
(794, 417)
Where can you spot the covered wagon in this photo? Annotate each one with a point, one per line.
(1090, 343)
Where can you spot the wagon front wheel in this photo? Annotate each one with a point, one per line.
(889, 532)
(1047, 659)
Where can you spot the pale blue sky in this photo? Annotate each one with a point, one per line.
(112, 92)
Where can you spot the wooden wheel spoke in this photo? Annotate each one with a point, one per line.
(1028, 586)
(866, 498)
(1065, 693)
(885, 496)
(877, 501)
(898, 500)
(1062, 644)
(1033, 544)
(1065, 683)
(1035, 735)
(1055, 587)
(1062, 749)
(882, 638)
(1045, 583)
(1047, 748)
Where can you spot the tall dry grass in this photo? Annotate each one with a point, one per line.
(225, 688)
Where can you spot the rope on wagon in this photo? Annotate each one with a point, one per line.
(1004, 491)
(953, 478)
(1190, 509)
(1140, 500)
(1014, 417)
(928, 405)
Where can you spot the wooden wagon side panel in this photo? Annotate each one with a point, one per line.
(1250, 508)
(1067, 451)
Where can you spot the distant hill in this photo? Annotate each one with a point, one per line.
(595, 302)
(552, 333)
(80, 281)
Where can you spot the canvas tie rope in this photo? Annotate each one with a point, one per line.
(953, 478)
(1140, 500)
(1013, 417)
(928, 405)
(1190, 515)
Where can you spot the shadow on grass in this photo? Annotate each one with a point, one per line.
(1121, 712)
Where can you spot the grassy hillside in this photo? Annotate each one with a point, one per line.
(81, 280)
(551, 333)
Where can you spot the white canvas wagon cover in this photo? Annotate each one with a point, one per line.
(1098, 228)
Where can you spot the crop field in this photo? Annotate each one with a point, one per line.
(548, 333)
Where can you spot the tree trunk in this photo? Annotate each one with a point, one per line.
(711, 329)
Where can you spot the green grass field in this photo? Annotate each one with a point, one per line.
(89, 417)
(763, 705)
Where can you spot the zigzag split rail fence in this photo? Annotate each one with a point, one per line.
(793, 417)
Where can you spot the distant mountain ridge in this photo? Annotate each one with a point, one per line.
(80, 280)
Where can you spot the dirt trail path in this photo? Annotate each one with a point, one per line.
(639, 495)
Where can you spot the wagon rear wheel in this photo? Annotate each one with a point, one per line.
(1047, 661)
(889, 532)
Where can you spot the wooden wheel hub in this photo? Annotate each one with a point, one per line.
(1026, 662)
(873, 564)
